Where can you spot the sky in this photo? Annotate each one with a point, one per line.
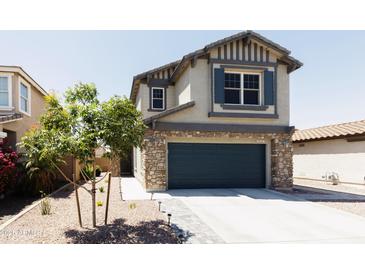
(328, 89)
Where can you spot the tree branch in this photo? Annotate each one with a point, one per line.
(70, 181)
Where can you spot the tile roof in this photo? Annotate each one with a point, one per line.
(331, 131)
(10, 117)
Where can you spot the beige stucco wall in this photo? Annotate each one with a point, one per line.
(37, 108)
(183, 88)
(317, 158)
(200, 85)
(137, 164)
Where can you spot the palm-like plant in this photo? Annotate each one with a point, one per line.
(39, 163)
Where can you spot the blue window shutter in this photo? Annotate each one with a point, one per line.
(269, 87)
(219, 85)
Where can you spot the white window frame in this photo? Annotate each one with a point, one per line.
(21, 81)
(242, 89)
(163, 98)
(10, 91)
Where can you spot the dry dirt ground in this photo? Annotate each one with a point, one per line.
(129, 222)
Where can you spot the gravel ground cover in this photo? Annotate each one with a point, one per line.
(355, 205)
(357, 208)
(346, 188)
(128, 222)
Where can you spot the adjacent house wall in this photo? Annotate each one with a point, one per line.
(37, 109)
(317, 158)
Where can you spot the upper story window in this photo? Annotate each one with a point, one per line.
(24, 97)
(158, 98)
(242, 88)
(5, 91)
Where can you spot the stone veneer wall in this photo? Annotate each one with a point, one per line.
(155, 145)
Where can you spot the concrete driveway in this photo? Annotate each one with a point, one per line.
(259, 216)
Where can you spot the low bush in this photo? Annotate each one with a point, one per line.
(8, 167)
(89, 171)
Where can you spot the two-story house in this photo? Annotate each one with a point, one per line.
(217, 118)
(21, 103)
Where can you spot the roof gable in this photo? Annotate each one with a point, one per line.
(25, 75)
(250, 42)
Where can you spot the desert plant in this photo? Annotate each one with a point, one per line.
(87, 171)
(39, 168)
(45, 204)
(101, 189)
(132, 206)
(99, 203)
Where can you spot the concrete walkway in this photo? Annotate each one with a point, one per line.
(261, 216)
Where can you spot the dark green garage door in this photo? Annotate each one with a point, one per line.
(192, 165)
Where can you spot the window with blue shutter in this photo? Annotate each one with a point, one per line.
(219, 85)
(269, 87)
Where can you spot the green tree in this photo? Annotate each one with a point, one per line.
(81, 125)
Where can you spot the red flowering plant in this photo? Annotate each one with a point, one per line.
(8, 168)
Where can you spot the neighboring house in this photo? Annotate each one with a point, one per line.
(338, 149)
(21, 103)
(218, 117)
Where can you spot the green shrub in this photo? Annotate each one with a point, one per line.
(89, 171)
(41, 173)
(101, 189)
(99, 203)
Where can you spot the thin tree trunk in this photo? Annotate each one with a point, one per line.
(93, 192)
(77, 199)
(107, 199)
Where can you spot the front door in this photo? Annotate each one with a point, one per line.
(126, 166)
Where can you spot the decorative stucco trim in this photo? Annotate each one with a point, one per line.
(243, 115)
(151, 82)
(223, 127)
(245, 107)
(242, 62)
(243, 67)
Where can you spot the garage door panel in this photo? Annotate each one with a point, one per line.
(215, 165)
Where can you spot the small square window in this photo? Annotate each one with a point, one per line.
(158, 98)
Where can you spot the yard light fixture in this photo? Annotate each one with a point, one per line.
(169, 219)
(159, 205)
